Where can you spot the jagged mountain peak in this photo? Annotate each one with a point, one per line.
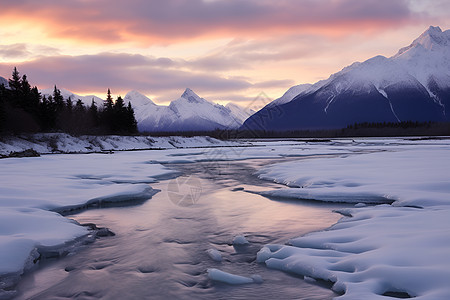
(430, 39)
(191, 96)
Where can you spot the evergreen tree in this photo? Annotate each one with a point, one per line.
(14, 82)
(69, 104)
(119, 116)
(79, 106)
(131, 120)
(93, 114)
(107, 115)
(15, 85)
(25, 85)
(2, 107)
(35, 98)
(108, 105)
(58, 99)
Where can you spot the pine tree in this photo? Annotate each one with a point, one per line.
(108, 105)
(2, 107)
(119, 115)
(131, 120)
(25, 85)
(58, 99)
(14, 82)
(79, 106)
(69, 104)
(93, 114)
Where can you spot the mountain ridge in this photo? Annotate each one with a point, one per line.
(412, 85)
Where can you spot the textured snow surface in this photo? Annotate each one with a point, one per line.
(60, 142)
(378, 250)
(373, 250)
(417, 176)
(24, 229)
(31, 186)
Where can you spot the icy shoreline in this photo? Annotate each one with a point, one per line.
(48, 143)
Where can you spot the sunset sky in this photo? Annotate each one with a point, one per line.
(225, 50)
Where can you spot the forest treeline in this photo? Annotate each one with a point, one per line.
(24, 110)
(377, 129)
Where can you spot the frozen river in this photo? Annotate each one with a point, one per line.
(159, 250)
(182, 207)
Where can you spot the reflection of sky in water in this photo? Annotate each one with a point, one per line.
(160, 248)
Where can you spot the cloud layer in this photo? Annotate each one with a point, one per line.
(149, 22)
(245, 46)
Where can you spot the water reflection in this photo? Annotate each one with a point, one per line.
(159, 250)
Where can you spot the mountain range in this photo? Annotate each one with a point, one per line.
(412, 85)
(190, 112)
(187, 113)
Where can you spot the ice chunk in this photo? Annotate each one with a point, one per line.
(240, 240)
(218, 275)
(257, 278)
(263, 254)
(214, 254)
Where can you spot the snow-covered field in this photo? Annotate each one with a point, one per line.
(373, 250)
(401, 249)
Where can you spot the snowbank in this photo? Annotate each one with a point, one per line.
(32, 186)
(374, 251)
(380, 250)
(64, 143)
(24, 229)
(417, 176)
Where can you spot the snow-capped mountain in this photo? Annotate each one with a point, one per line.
(412, 85)
(188, 113)
(239, 113)
(4, 81)
(87, 100)
(291, 93)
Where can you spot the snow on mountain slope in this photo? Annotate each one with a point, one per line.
(239, 113)
(87, 100)
(187, 113)
(412, 85)
(4, 81)
(291, 93)
(137, 99)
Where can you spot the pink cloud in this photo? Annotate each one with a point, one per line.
(150, 22)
